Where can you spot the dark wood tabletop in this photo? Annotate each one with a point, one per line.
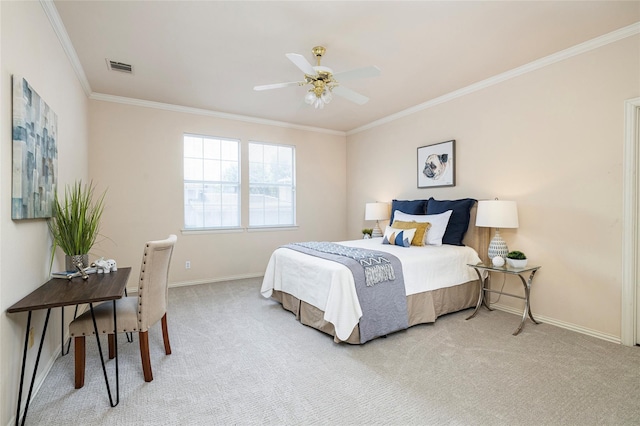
(63, 292)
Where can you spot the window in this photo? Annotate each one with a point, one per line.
(272, 200)
(211, 182)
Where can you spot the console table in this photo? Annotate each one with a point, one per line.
(479, 268)
(60, 292)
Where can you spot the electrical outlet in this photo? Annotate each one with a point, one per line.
(187, 264)
(31, 338)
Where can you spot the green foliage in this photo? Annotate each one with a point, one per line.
(516, 255)
(367, 231)
(75, 223)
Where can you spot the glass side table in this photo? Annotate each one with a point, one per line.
(482, 268)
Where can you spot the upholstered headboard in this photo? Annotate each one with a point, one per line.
(477, 237)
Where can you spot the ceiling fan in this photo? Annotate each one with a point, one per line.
(323, 81)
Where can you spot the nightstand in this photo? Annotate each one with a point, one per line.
(482, 269)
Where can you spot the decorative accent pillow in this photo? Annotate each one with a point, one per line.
(398, 237)
(438, 224)
(408, 206)
(459, 222)
(421, 230)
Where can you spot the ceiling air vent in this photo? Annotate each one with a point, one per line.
(119, 66)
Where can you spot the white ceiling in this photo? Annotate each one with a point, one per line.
(210, 54)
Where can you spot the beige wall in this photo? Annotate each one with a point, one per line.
(136, 153)
(552, 141)
(31, 49)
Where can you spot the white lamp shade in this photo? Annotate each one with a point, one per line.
(497, 214)
(376, 211)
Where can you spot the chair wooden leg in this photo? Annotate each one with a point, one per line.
(165, 335)
(112, 351)
(79, 354)
(143, 336)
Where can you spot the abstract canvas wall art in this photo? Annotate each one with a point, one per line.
(35, 154)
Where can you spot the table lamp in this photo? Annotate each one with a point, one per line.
(497, 214)
(377, 212)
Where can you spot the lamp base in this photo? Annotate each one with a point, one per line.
(497, 246)
(377, 232)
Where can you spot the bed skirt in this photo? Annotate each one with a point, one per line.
(423, 308)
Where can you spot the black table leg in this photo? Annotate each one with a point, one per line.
(75, 314)
(129, 335)
(35, 368)
(104, 369)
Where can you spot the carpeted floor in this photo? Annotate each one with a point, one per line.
(239, 359)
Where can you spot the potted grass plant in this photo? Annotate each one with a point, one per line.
(516, 259)
(75, 223)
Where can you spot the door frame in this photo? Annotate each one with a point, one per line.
(630, 334)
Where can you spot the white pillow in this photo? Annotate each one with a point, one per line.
(398, 237)
(438, 222)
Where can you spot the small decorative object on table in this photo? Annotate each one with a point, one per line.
(516, 259)
(105, 266)
(497, 261)
(366, 233)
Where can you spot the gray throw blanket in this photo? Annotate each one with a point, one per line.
(384, 302)
(377, 268)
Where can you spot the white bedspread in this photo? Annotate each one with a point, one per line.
(329, 285)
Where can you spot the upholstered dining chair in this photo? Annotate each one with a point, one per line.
(135, 313)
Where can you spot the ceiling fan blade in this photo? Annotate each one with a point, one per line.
(371, 71)
(275, 86)
(351, 95)
(302, 63)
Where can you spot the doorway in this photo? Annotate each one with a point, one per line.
(630, 326)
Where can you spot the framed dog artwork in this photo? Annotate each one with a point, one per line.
(436, 165)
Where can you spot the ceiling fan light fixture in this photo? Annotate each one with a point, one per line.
(322, 81)
(326, 96)
(320, 94)
(310, 97)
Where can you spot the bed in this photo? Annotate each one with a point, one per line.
(437, 281)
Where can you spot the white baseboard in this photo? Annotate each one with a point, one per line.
(215, 280)
(509, 309)
(498, 306)
(204, 281)
(40, 378)
(561, 324)
(501, 307)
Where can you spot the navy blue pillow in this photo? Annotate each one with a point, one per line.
(408, 207)
(459, 221)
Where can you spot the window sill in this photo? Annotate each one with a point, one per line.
(230, 230)
(272, 228)
(196, 231)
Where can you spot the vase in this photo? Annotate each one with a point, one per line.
(70, 261)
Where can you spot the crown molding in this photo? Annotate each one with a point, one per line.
(209, 113)
(60, 30)
(578, 49)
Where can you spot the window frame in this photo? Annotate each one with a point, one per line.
(221, 182)
(292, 186)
